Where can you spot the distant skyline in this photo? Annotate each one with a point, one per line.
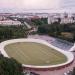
(37, 5)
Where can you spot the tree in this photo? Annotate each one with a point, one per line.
(12, 32)
(73, 73)
(9, 66)
(42, 29)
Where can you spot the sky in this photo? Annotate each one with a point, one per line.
(31, 5)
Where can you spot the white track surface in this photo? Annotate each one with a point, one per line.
(69, 55)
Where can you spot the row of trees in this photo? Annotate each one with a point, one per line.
(64, 31)
(11, 32)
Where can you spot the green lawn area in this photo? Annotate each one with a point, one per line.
(30, 53)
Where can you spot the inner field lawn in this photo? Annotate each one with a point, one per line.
(30, 53)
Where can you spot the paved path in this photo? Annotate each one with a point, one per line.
(28, 26)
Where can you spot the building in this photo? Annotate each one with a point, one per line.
(64, 18)
(67, 20)
(52, 20)
(10, 22)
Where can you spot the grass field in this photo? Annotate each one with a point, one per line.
(34, 54)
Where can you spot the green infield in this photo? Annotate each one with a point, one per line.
(37, 54)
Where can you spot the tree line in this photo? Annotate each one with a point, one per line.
(12, 32)
(63, 31)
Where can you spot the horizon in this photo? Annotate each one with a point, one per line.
(48, 6)
(36, 11)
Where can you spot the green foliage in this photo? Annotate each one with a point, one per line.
(40, 21)
(55, 29)
(11, 32)
(73, 73)
(9, 66)
(42, 30)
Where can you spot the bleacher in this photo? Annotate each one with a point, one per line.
(62, 44)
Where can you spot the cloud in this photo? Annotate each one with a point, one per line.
(41, 4)
(68, 4)
(30, 4)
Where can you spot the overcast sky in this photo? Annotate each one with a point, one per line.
(37, 4)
